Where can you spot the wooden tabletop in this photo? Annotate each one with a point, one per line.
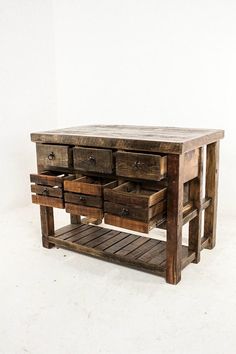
(130, 137)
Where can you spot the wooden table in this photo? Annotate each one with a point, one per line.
(133, 177)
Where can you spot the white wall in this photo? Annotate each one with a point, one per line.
(27, 92)
(154, 62)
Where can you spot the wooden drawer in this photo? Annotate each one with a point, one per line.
(54, 155)
(84, 196)
(134, 207)
(141, 166)
(93, 160)
(48, 188)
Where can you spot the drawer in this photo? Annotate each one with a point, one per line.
(47, 188)
(54, 155)
(84, 195)
(134, 207)
(141, 166)
(93, 160)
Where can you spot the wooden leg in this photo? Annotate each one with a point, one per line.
(47, 225)
(195, 225)
(212, 166)
(174, 218)
(75, 219)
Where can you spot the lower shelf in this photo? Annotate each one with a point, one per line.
(143, 253)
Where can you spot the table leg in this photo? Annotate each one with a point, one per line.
(195, 225)
(212, 174)
(47, 225)
(174, 218)
(75, 219)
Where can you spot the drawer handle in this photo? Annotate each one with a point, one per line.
(92, 160)
(124, 212)
(138, 165)
(45, 191)
(82, 199)
(51, 156)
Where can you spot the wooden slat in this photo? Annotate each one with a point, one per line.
(65, 229)
(121, 244)
(73, 234)
(132, 246)
(112, 241)
(102, 238)
(160, 257)
(142, 249)
(206, 202)
(92, 236)
(147, 256)
(48, 201)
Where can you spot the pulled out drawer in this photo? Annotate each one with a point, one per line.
(141, 166)
(48, 188)
(84, 196)
(135, 207)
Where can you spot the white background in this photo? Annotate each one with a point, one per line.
(66, 63)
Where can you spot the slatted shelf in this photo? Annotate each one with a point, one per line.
(140, 252)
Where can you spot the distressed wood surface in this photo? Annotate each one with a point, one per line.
(142, 166)
(93, 160)
(143, 138)
(54, 155)
(89, 185)
(212, 176)
(174, 218)
(191, 159)
(84, 210)
(47, 225)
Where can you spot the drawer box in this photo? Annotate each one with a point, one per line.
(48, 188)
(84, 196)
(49, 155)
(93, 160)
(141, 166)
(134, 207)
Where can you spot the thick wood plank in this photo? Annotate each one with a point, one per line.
(75, 233)
(83, 199)
(54, 155)
(151, 138)
(48, 201)
(84, 210)
(191, 160)
(142, 166)
(65, 229)
(195, 224)
(47, 225)
(89, 185)
(102, 238)
(121, 244)
(83, 240)
(132, 246)
(174, 218)
(143, 248)
(111, 241)
(47, 191)
(212, 175)
(95, 160)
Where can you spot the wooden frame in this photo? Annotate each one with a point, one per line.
(185, 162)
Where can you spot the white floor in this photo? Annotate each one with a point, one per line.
(57, 301)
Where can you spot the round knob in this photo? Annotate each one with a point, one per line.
(137, 165)
(92, 159)
(51, 156)
(124, 212)
(45, 191)
(82, 198)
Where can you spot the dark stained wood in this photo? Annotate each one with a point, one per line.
(212, 175)
(195, 224)
(48, 201)
(142, 166)
(191, 159)
(143, 138)
(47, 191)
(50, 178)
(174, 218)
(75, 219)
(83, 199)
(47, 225)
(96, 160)
(54, 155)
(84, 210)
(88, 185)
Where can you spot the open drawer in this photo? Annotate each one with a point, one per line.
(48, 188)
(135, 207)
(84, 195)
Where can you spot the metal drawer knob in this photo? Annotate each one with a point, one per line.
(51, 156)
(45, 191)
(82, 198)
(124, 212)
(92, 160)
(137, 165)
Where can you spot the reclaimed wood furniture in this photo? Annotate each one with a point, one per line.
(133, 177)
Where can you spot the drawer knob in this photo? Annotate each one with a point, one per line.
(45, 191)
(92, 159)
(51, 156)
(124, 212)
(137, 165)
(82, 198)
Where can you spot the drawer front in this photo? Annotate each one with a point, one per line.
(90, 212)
(54, 155)
(47, 188)
(88, 185)
(93, 160)
(141, 166)
(83, 199)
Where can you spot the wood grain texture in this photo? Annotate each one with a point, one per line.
(89, 185)
(143, 138)
(54, 155)
(48, 201)
(191, 159)
(141, 166)
(95, 160)
(195, 225)
(47, 191)
(47, 225)
(83, 199)
(174, 218)
(212, 176)
(84, 210)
